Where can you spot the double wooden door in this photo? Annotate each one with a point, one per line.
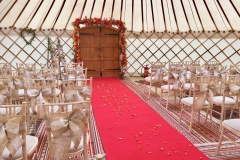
(100, 51)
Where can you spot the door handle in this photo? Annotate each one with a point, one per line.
(97, 49)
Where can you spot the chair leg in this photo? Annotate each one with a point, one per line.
(211, 121)
(180, 119)
(221, 118)
(199, 116)
(160, 96)
(206, 116)
(167, 102)
(149, 90)
(191, 121)
(220, 140)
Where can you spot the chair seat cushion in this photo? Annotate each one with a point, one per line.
(187, 86)
(189, 101)
(165, 79)
(165, 87)
(31, 145)
(219, 99)
(150, 79)
(232, 123)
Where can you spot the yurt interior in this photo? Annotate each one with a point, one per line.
(120, 79)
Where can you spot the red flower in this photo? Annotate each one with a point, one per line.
(101, 22)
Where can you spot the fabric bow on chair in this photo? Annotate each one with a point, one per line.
(221, 73)
(9, 136)
(234, 71)
(158, 75)
(206, 92)
(64, 130)
(176, 80)
(179, 80)
(202, 98)
(36, 99)
(200, 72)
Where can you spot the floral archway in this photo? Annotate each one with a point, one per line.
(101, 23)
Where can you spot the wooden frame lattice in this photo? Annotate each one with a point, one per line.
(205, 47)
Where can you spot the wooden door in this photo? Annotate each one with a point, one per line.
(100, 51)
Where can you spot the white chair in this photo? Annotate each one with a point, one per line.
(71, 134)
(8, 120)
(191, 72)
(158, 69)
(229, 100)
(75, 90)
(230, 125)
(172, 65)
(211, 66)
(174, 88)
(39, 91)
(201, 100)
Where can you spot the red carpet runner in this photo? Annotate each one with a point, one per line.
(131, 130)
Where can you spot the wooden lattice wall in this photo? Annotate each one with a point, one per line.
(142, 48)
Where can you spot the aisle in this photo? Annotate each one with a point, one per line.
(130, 130)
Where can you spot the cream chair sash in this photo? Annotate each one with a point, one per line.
(206, 92)
(16, 84)
(196, 72)
(72, 96)
(86, 90)
(64, 131)
(178, 79)
(235, 71)
(3, 93)
(36, 100)
(2, 99)
(9, 136)
(221, 73)
(200, 72)
(234, 88)
(161, 72)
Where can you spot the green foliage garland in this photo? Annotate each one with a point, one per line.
(29, 31)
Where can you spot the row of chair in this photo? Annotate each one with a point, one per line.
(67, 130)
(38, 94)
(198, 88)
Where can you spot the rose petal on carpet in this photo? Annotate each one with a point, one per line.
(130, 130)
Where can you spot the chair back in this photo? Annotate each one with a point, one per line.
(157, 70)
(205, 87)
(234, 70)
(5, 91)
(192, 63)
(13, 122)
(72, 64)
(76, 89)
(71, 120)
(76, 72)
(48, 88)
(175, 64)
(176, 77)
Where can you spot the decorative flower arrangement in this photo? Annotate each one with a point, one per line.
(101, 23)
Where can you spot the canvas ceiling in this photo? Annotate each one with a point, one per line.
(139, 15)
